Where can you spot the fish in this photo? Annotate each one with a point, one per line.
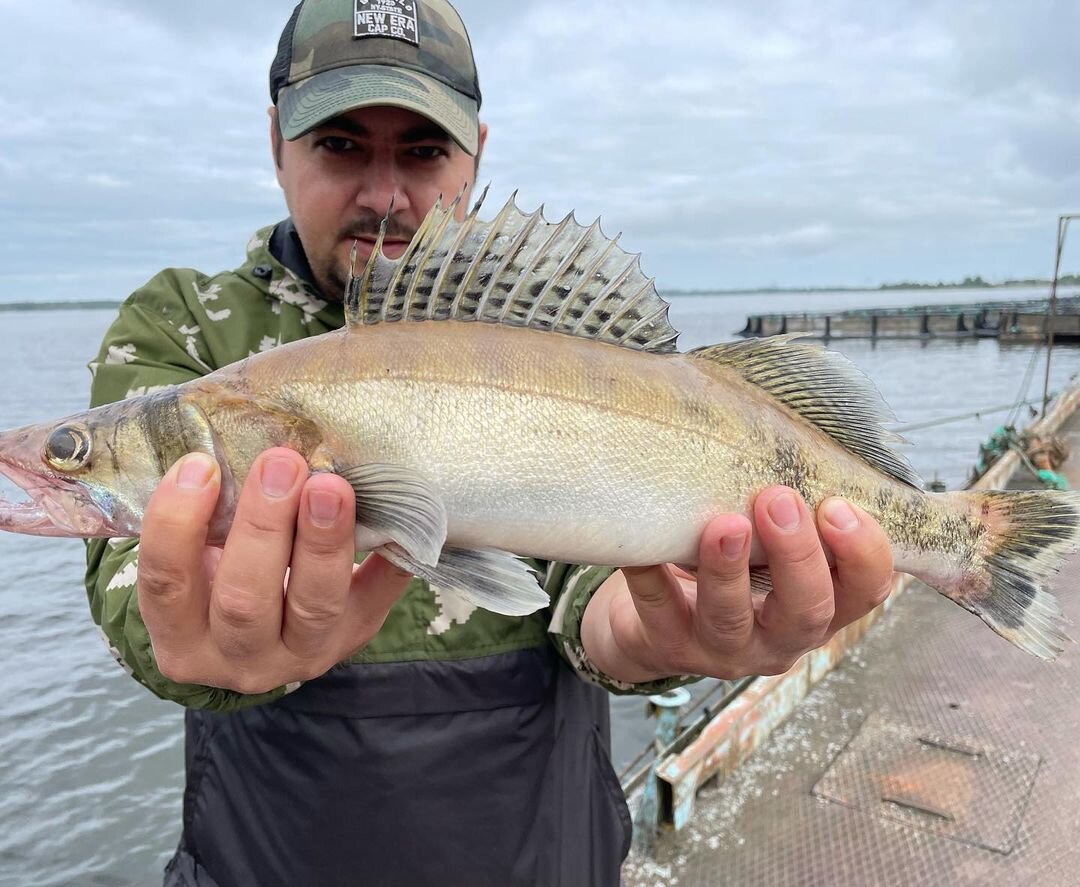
(513, 389)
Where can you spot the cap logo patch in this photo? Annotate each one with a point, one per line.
(386, 18)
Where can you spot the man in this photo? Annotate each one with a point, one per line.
(450, 745)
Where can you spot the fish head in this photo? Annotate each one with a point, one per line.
(88, 475)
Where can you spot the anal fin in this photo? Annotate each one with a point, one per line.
(494, 580)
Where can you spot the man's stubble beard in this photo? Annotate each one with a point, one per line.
(332, 277)
(332, 283)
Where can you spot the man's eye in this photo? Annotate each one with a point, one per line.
(427, 152)
(336, 144)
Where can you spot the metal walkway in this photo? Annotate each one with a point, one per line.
(936, 753)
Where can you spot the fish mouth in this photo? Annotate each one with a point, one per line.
(55, 506)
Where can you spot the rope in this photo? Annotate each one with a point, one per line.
(1025, 384)
(975, 414)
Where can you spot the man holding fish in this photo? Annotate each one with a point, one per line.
(365, 726)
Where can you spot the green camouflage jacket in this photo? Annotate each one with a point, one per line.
(183, 324)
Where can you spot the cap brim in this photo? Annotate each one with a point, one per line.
(316, 99)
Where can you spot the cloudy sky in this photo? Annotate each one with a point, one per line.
(736, 144)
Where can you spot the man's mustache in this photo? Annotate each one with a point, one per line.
(369, 224)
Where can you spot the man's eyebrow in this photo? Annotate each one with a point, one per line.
(346, 124)
(424, 132)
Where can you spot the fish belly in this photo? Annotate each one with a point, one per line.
(550, 477)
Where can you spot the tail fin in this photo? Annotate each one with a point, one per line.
(1028, 537)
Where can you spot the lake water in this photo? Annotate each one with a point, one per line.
(91, 764)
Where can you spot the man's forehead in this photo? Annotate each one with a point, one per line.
(399, 124)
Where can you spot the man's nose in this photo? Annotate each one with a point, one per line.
(382, 189)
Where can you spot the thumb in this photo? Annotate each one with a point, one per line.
(191, 485)
(171, 583)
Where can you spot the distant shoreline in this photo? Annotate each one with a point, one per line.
(971, 283)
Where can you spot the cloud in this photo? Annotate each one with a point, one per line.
(734, 144)
(105, 180)
(809, 238)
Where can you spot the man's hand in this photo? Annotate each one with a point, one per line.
(654, 622)
(223, 618)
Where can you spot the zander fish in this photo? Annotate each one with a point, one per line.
(514, 386)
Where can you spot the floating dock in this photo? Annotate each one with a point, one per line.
(1023, 321)
(933, 753)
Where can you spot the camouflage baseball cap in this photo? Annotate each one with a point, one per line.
(338, 55)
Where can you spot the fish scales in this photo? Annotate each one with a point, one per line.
(580, 425)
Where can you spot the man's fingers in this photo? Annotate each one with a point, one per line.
(172, 587)
(662, 607)
(376, 586)
(322, 565)
(864, 564)
(725, 608)
(248, 593)
(797, 614)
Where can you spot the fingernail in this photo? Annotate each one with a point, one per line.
(195, 471)
(278, 477)
(324, 507)
(784, 511)
(841, 515)
(732, 546)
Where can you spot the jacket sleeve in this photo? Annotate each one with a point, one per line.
(153, 342)
(570, 588)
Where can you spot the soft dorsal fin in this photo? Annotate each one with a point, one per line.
(823, 387)
(517, 269)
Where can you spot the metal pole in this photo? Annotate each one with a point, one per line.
(1063, 224)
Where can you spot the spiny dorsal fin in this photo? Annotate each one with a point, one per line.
(823, 387)
(517, 269)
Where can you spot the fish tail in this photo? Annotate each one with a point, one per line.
(1023, 541)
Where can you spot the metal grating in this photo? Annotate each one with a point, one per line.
(954, 786)
(927, 663)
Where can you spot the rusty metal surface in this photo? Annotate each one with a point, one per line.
(931, 666)
(954, 786)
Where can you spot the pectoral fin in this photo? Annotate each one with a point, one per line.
(400, 505)
(491, 579)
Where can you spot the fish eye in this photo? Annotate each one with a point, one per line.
(68, 447)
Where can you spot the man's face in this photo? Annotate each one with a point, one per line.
(340, 178)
